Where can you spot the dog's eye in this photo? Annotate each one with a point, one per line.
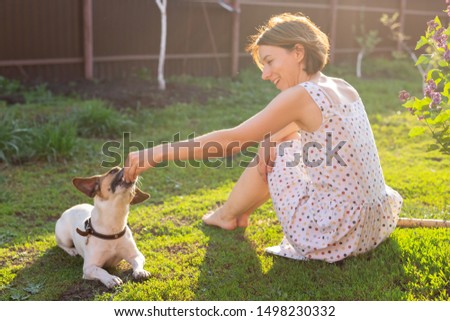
(113, 171)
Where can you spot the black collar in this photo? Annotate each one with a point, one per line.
(89, 230)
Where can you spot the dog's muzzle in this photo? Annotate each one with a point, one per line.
(118, 181)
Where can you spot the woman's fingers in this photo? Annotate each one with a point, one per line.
(266, 161)
(129, 174)
(131, 168)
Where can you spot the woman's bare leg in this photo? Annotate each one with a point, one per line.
(249, 193)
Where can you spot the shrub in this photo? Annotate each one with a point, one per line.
(38, 95)
(54, 141)
(433, 109)
(96, 120)
(14, 140)
(9, 87)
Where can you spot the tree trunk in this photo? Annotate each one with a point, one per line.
(162, 5)
(359, 63)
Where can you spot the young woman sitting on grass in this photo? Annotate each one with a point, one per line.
(318, 161)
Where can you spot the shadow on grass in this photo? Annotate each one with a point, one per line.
(55, 276)
(376, 275)
(232, 271)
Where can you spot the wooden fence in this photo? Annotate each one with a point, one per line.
(62, 40)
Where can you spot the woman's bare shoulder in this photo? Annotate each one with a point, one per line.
(338, 89)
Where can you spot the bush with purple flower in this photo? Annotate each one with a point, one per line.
(433, 109)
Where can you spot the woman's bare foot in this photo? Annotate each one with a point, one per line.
(218, 218)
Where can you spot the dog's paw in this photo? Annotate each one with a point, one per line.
(141, 274)
(112, 281)
(72, 251)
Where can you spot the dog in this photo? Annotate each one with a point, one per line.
(99, 233)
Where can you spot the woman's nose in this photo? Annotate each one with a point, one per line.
(265, 73)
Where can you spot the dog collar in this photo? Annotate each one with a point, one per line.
(89, 230)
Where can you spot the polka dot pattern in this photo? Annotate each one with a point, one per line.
(328, 188)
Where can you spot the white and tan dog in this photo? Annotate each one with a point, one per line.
(100, 233)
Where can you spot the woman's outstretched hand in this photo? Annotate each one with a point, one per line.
(135, 164)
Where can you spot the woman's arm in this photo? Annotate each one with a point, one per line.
(287, 132)
(265, 159)
(293, 105)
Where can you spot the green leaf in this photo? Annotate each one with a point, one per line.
(423, 59)
(422, 104)
(447, 32)
(416, 131)
(409, 103)
(438, 21)
(442, 117)
(422, 42)
(446, 90)
(34, 288)
(435, 74)
(3, 157)
(443, 63)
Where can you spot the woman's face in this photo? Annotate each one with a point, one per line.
(281, 66)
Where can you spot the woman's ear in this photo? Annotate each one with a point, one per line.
(299, 50)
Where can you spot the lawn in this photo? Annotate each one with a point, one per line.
(188, 260)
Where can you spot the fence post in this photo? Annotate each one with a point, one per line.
(333, 27)
(235, 39)
(88, 40)
(402, 22)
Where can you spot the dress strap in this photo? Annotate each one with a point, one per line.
(319, 96)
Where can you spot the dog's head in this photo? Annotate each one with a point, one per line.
(110, 185)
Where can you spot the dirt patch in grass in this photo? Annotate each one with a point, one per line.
(87, 290)
(19, 256)
(127, 93)
(83, 291)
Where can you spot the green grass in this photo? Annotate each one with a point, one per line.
(191, 261)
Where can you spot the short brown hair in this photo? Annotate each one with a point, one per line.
(286, 30)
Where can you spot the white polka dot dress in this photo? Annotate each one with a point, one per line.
(328, 188)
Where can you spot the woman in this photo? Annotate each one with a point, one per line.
(324, 176)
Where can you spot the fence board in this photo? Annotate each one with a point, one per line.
(44, 39)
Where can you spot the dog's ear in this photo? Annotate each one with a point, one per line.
(139, 197)
(88, 186)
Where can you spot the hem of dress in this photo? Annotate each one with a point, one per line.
(291, 254)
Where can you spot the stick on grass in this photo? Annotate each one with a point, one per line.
(416, 222)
